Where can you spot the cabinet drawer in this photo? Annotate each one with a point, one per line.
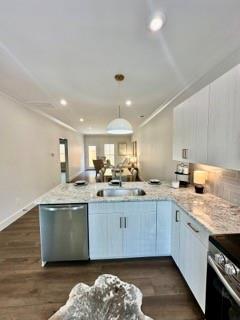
(139, 206)
(105, 207)
(198, 230)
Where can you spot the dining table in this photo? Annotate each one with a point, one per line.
(112, 173)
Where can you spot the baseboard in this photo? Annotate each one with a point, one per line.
(18, 214)
(15, 216)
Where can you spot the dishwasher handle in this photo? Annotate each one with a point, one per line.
(51, 209)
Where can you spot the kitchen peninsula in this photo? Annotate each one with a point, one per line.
(163, 222)
(213, 213)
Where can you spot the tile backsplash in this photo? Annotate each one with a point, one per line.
(222, 182)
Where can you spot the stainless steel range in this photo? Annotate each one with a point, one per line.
(223, 278)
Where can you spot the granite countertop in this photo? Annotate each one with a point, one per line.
(215, 214)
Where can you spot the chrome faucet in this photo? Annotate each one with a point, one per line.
(120, 177)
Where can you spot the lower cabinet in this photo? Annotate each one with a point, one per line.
(105, 235)
(164, 216)
(175, 233)
(192, 254)
(147, 229)
(122, 230)
(139, 233)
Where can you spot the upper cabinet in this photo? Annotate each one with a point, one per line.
(224, 121)
(206, 126)
(190, 128)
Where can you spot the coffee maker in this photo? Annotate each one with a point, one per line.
(182, 174)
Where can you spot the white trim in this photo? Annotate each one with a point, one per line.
(220, 68)
(41, 113)
(36, 82)
(51, 118)
(15, 216)
(21, 212)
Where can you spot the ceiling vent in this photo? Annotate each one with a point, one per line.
(41, 105)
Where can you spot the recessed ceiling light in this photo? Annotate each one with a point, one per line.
(63, 102)
(81, 119)
(128, 103)
(157, 22)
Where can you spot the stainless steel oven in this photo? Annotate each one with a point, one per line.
(223, 284)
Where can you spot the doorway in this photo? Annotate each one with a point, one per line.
(92, 155)
(63, 145)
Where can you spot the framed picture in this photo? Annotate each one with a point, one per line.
(122, 149)
(134, 148)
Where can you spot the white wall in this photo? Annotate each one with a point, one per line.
(154, 143)
(100, 140)
(28, 167)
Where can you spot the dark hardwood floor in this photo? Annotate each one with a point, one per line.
(30, 292)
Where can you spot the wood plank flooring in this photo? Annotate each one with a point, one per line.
(29, 292)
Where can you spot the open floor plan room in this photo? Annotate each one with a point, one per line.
(119, 160)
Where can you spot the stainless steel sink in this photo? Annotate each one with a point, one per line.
(121, 192)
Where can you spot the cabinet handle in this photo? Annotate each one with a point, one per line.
(191, 226)
(176, 216)
(125, 222)
(120, 222)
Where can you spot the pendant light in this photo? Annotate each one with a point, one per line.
(119, 125)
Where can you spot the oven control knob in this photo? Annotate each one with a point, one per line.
(219, 258)
(230, 269)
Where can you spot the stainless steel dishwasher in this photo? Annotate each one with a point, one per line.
(63, 232)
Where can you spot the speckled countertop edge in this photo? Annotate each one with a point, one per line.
(214, 214)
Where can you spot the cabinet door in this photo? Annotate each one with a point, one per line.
(139, 236)
(175, 234)
(185, 259)
(164, 212)
(199, 272)
(178, 139)
(181, 126)
(105, 235)
(197, 110)
(193, 263)
(224, 117)
(190, 125)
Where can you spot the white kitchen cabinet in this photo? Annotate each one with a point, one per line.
(139, 235)
(193, 257)
(185, 252)
(206, 126)
(175, 233)
(180, 131)
(164, 220)
(149, 228)
(122, 229)
(105, 236)
(190, 124)
(198, 135)
(224, 119)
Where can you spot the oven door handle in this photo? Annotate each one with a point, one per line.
(224, 281)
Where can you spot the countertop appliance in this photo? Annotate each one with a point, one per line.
(64, 232)
(223, 278)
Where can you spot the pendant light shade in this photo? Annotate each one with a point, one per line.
(119, 126)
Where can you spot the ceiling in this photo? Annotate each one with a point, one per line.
(71, 49)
